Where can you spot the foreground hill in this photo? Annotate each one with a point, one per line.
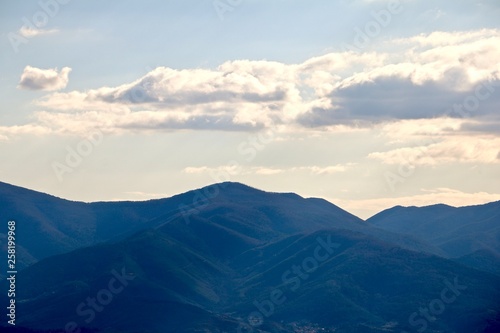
(329, 281)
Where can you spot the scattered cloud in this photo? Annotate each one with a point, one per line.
(326, 170)
(459, 149)
(44, 79)
(230, 169)
(6, 132)
(196, 170)
(30, 32)
(266, 171)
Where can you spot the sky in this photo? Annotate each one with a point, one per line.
(366, 103)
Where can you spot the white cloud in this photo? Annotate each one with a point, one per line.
(229, 169)
(438, 141)
(44, 79)
(30, 32)
(458, 149)
(196, 170)
(441, 38)
(7, 132)
(317, 170)
(266, 171)
(422, 128)
(421, 79)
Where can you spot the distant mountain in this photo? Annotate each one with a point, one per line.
(231, 258)
(47, 225)
(457, 231)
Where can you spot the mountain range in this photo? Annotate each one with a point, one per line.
(231, 258)
(469, 234)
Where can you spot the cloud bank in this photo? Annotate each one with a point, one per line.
(442, 85)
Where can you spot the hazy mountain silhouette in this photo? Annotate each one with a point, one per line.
(457, 231)
(231, 258)
(471, 234)
(48, 225)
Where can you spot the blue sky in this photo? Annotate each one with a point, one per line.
(368, 104)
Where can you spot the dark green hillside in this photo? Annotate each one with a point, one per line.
(362, 285)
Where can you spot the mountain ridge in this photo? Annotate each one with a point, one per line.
(229, 257)
(49, 225)
(456, 230)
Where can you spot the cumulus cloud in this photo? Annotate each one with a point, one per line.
(239, 95)
(423, 77)
(44, 79)
(236, 82)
